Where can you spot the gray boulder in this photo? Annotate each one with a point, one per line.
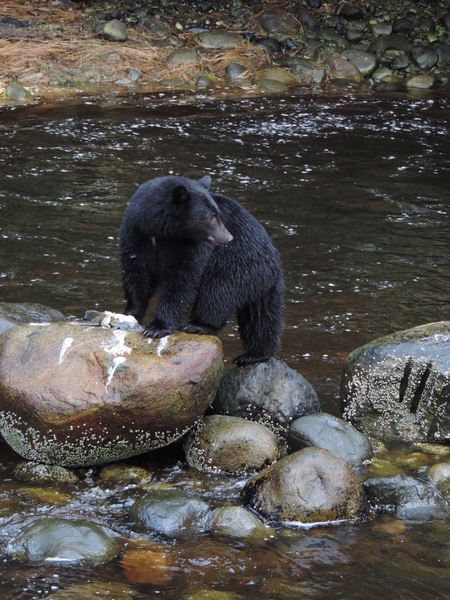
(270, 393)
(398, 387)
(12, 313)
(333, 434)
(310, 486)
(404, 495)
(115, 31)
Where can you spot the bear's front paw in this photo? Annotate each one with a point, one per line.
(198, 329)
(156, 330)
(245, 359)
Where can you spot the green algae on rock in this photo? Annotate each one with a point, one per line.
(81, 396)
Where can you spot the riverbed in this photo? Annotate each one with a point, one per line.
(351, 185)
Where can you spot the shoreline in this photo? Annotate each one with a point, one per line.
(60, 48)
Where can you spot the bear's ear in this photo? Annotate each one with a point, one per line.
(205, 182)
(180, 195)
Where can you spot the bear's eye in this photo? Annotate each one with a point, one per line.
(212, 218)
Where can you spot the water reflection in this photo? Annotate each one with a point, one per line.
(353, 190)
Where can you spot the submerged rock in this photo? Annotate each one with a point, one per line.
(96, 591)
(79, 396)
(61, 540)
(333, 434)
(269, 392)
(398, 387)
(37, 473)
(231, 445)
(310, 486)
(238, 522)
(403, 494)
(172, 512)
(440, 476)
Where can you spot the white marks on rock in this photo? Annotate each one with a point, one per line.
(65, 346)
(118, 360)
(116, 346)
(163, 343)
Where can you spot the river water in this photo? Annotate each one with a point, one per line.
(354, 190)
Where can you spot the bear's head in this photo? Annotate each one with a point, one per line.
(196, 213)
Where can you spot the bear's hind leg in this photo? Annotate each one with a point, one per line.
(260, 326)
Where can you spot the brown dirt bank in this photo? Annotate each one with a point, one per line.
(61, 46)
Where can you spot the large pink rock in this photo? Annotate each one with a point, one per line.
(77, 396)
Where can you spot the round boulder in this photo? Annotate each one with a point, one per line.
(238, 522)
(219, 40)
(61, 540)
(115, 31)
(310, 486)
(81, 396)
(269, 392)
(278, 22)
(231, 445)
(333, 434)
(12, 313)
(171, 512)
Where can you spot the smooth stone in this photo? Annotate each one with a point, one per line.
(32, 472)
(310, 486)
(304, 16)
(158, 28)
(406, 495)
(306, 69)
(278, 22)
(400, 62)
(401, 25)
(334, 39)
(12, 313)
(426, 60)
(171, 512)
(219, 40)
(204, 81)
(343, 69)
(15, 91)
(183, 56)
(396, 41)
(282, 76)
(420, 82)
(354, 36)
(238, 522)
(426, 25)
(365, 63)
(382, 74)
(382, 29)
(271, 85)
(64, 541)
(270, 393)
(124, 474)
(350, 11)
(446, 20)
(333, 434)
(443, 51)
(270, 44)
(234, 71)
(115, 31)
(92, 395)
(133, 74)
(440, 475)
(396, 387)
(227, 444)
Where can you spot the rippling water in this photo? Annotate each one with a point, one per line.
(353, 190)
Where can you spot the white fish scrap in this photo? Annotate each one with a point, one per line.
(65, 346)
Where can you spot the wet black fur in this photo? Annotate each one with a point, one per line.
(200, 286)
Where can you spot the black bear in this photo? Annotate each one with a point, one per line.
(207, 258)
